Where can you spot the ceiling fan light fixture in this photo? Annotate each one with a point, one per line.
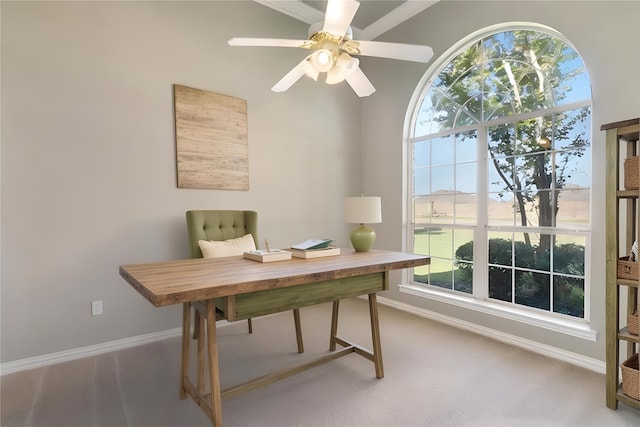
(331, 46)
(322, 60)
(335, 75)
(347, 62)
(345, 65)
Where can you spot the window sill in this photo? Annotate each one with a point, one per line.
(571, 328)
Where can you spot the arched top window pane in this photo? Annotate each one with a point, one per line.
(504, 74)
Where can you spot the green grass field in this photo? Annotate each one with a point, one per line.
(441, 243)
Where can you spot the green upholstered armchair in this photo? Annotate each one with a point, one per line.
(219, 225)
(222, 225)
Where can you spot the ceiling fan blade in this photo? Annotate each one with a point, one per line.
(291, 77)
(360, 83)
(405, 52)
(339, 15)
(249, 41)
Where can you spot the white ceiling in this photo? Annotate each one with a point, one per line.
(374, 17)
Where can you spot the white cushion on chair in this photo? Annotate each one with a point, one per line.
(223, 248)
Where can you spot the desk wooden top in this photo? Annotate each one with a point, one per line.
(174, 282)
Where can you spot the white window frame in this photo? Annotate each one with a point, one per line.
(478, 301)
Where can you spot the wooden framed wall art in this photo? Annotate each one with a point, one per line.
(212, 147)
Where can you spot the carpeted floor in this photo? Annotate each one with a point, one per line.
(435, 375)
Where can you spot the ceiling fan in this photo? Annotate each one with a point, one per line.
(333, 50)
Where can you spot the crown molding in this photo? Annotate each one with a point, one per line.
(305, 13)
(397, 16)
(295, 9)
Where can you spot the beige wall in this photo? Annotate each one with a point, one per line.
(88, 157)
(607, 36)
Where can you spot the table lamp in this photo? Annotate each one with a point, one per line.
(361, 210)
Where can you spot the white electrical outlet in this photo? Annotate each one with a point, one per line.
(96, 308)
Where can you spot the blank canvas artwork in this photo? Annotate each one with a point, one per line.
(212, 149)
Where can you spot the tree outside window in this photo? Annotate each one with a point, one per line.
(500, 169)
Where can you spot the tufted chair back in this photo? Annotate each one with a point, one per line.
(219, 225)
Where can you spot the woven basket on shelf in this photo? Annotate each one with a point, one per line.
(631, 377)
(628, 269)
(632, 173)
(632, 322)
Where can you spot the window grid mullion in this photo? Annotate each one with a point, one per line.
(480, 247)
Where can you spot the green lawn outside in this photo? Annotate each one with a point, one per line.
(440, 243)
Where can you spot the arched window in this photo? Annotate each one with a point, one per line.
(499, 173)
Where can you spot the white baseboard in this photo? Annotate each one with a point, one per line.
(79, 353)
(546, 350)
(93, 350)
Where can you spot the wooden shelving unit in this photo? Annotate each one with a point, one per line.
(623, 228)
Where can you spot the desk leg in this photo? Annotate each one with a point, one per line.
(375, 335)
(201, 341)
(214, 376)
(296, 320)
(334, 325)
(184, 368)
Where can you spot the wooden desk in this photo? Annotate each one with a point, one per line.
(244, 288)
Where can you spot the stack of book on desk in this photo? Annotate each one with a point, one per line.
(315, 253)
(314, 248)
(267, 255)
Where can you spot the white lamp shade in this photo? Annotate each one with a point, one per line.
(322, 60)
(345, 65)
(363, 210)
(348, 63)
(335, 75)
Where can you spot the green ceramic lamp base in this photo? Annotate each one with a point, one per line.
(362, 238)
